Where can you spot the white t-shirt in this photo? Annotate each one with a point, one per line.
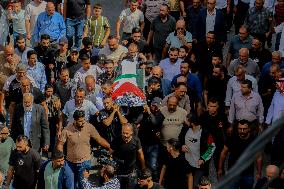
(81, 74)
(280, 29)
(131, 19)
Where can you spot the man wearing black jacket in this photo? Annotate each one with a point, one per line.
(149, 132)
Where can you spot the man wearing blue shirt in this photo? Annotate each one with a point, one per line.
(51, 23)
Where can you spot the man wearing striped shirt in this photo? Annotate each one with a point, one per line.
(97, 27)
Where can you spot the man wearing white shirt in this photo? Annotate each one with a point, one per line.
(87, 69)
(280, 29)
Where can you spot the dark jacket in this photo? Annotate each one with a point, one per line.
(39, 131)
(219, 28)
(65, 179)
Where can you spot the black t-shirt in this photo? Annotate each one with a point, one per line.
(76, 8)
(14, 85)
(113, 130)
(126, 152)
(17, 96)
(25, 166)
(176, 170)
(142, 45)
(155, 186)
(236, 147)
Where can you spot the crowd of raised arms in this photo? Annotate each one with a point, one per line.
(168, 97)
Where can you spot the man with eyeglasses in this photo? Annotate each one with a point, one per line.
(7, 145)
(178, 38)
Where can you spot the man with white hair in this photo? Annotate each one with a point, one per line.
(30, 119)
(272, 172)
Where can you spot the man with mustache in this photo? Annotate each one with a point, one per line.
(113, 50)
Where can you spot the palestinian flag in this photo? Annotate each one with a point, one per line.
(125, 89)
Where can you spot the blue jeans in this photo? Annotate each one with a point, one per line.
(243, 182)
(151, 157)
(75, 28)
(77, 169)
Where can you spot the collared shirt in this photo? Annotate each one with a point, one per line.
(19, 22)
(236, 44)
(38, 73)
(249, 108)
(32, 11)
(27, 122)
(251, 68)
(174, 41)
(53, 25)
(210, 21)
(97, 28)
(276, 109)
(234, 86)
(14, 80)
(81, 74)
(113, 55)
(87, 106)
(169, 69)
(51, 176)
(258, 20)
(131, 19)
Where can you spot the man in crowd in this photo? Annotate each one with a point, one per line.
(21, 48)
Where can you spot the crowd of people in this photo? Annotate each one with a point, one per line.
(160, 93)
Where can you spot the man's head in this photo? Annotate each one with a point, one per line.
(57, 159)
(217, 59)
(173, 55)
(172, 104)
(107, 172)
(136, 34)
(127, 132)
(145, 178)
(276, 57)
(259, 4)
(173, 145)
(4, 133)
(48, 90)
(80, 96)
(107, 88)
(20, 43)
(28, 100)
(246, 87)
(182, 79)
(32, 57)
(98, 10)
(180, 90)
(243, 32)
(112, 43)
(17, 5)
(21, 71)
(210, 38)
(218, 71)
(156, 104)
(180, 26)
(204, 183)
(256, 44)
(211, 5)
(154, 83)
(164, 11)
(50, 8)
(240, 73)
(63, 44)
(8, 53)
(79, 119)
(25, 85)
(132, 50)
(44, 41)
(243, 55)
(184, 68)
(213, 106)
(183, 52)
(74, 54)
(90, 82)
(243, 129)
(273, 70)
(109, 67)
(108, 103)
(85, 61)
(133, 5)
(157, 71)
(64, 75)
(87, 43)
(272, 171)
(22, 143)
(196, 3)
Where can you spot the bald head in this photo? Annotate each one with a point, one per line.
(243, 55)
(157, 71)
(172, 104)
(272, 171)
(50, 8)
(180, 24)
(8, 52)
